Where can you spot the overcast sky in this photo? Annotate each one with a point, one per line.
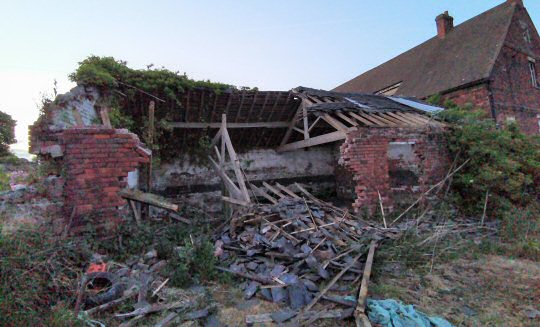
(273, 44)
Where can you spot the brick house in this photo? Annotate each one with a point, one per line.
(491, 61)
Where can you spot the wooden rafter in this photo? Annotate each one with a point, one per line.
(335, 123)
(274, 124)
(317, 140)
(361, 119)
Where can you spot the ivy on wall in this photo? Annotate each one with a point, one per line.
(127, 93)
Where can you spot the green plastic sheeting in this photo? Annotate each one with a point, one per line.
(391, 313)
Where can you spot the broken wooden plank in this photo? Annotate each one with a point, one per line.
(235, 201)
(263, 194)
(274, 190)
(135, 212)
(333, 281)
(148, 198)
(288, 191)
(229, 184)
(317, 140)
(236, 163)
(360, 311)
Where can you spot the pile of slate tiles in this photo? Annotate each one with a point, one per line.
(286, 251)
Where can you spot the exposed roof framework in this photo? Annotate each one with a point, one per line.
(339, 113)
(288, 120)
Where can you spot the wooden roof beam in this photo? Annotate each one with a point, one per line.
(273, 124)
(317, 140)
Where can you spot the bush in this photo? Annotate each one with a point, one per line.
(7, 133)
(503, 162)
(192, 263)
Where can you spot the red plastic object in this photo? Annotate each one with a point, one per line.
(97, 267)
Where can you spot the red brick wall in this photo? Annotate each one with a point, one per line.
(478, 95)
(365, 155)
(513, 94)
(96, 165)
(95, 162)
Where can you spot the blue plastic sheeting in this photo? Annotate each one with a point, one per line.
(391, 313)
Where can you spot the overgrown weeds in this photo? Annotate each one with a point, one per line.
(38, 272)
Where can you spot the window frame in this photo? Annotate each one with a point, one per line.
(533, 73)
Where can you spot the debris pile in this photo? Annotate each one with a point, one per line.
(106, 286)
(287, 250)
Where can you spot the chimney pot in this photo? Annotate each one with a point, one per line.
(445, 23)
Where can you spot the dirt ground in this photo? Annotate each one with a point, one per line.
(489, 291)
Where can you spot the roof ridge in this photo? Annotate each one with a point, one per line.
(500, 46)
(467, 54)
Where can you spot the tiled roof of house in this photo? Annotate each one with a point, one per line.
(466, 55)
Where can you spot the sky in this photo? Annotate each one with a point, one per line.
(272, 45)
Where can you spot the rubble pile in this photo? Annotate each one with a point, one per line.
(106, 286)
(288, 250)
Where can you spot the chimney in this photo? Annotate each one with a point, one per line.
(445, 23)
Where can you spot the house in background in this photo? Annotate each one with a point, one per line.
(490, 61)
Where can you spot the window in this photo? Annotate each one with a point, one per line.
(532, 68)
(527, 35)
(389, 90)
(538, 116)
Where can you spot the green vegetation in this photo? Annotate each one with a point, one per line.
(4, 180)
(128, 90)
(7, 133)
(36, 276)
(39, 272)
(504, 163)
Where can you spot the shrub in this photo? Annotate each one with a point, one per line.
(7, 133)
(192, 262)
(503, 162)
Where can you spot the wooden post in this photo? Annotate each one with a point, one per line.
(151, 108)
(227, 209)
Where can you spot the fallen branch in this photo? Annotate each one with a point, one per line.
(127, 295)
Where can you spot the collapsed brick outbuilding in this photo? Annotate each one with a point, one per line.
(95, 160)
(364, 148)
